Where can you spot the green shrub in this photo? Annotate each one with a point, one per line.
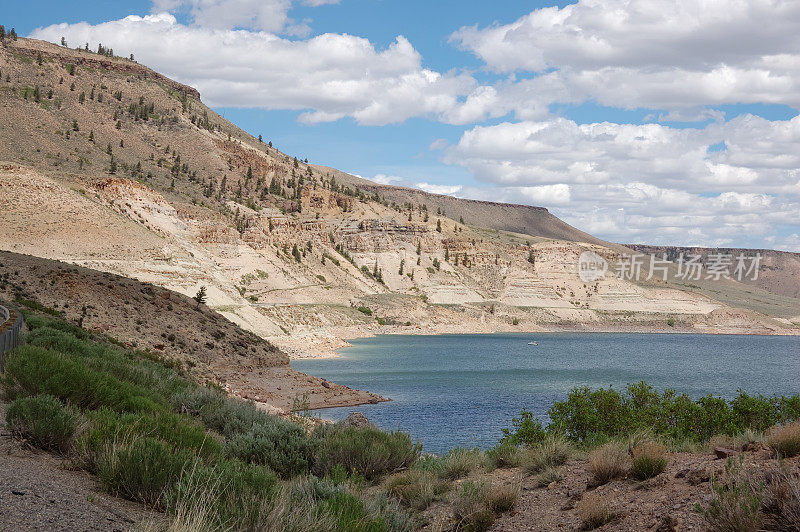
(198, 399)
(526, 430)
(309, 503)
(33, 370)
(37, 321)
(649, 460)
(43, 421)
(144, 470)
(366, 451)
(177, 430)
(231, 416)
(592, 416)
(280, 445)
(134, 368)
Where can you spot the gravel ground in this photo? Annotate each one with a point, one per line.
(37, 492)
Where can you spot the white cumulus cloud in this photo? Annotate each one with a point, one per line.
(328, 77)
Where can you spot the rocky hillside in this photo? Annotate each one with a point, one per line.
(115, 168)
(167, 326)
(779, 272)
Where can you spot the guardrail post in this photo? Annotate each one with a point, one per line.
(10, 325)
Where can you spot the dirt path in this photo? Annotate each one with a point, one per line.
(38, 493)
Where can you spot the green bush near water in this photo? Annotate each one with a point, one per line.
(591, 416)
(366, 451)
(280, 445)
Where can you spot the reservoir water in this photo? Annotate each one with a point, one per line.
(460, 390)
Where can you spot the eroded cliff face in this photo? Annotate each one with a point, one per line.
(304, 275)
(119, 170)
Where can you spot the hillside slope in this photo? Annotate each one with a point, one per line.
(168, 326)
(115, 168)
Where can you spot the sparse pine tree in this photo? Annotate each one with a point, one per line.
(200, 296)
(75, 125)
(12, 34)
(72, 86)
(109, 150)
(37, 96)
(446, 255)
(402, 264)
(91, 136)
(113, 168)
(119, 124)
(82, 97)
(2, 34)
(439, 225)
(64, 42)
(39, 59)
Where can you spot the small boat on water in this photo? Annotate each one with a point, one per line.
(533, 343)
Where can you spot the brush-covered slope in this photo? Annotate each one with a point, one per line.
(168, 326)
(114, 167)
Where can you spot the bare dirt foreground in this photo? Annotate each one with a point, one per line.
(38, 492)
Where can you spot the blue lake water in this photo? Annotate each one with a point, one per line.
(460, 390)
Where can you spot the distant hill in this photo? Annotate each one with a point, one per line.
(523, 219)
(779, 272)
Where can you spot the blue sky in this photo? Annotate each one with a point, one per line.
(609, 112)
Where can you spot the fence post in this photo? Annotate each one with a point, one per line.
(10, 325)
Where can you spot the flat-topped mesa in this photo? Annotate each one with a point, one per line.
(33, 48)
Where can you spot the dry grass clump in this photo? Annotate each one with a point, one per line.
(502, 497)
(548, 476)
(785, 439)
(459, 463)
(416, 489)
(477, 506)
(504, 455)
(608, 462)
(595, 511)
(736, 502)
(552, 452)
(649, 460)
(781, 501)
